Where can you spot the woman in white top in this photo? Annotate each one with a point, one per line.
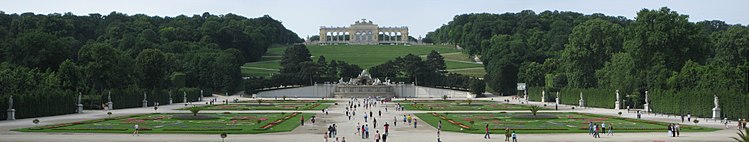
(136, 130)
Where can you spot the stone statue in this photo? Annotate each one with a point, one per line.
(715, 100)
(144, 96)
(646, 97)
(581, 95)
(79, 97)
(109, 96)
(10, 102)
(617, 95)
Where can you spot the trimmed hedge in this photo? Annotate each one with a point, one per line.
(699, 103)
(38, 104)
(132, 96)
(602, 98)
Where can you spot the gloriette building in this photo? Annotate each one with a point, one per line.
(363, 32)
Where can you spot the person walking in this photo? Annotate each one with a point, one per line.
(603, 127)
(385, 137)
(312, 120)
(639, 115)
(325, 137)
(377, 136)
(362, 132)
(439, 125)
(590, 127)
(136, 133)
(670, 131)
(404, 120)
(514, 137)
(486, 132)
(739, 124)
(358, 128)
(387, 126)
(677, 128)
(374, 120)
(689, 117)
(366, 130)
(611, 130)
(682, 118)
(414, 123)
(507, 134)
(395, 121)
(365, 117)
(596, 131)
(302, 119)
(409, 119)
(379, 112)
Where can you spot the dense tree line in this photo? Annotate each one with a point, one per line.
(130, 55)
(298, 68)
(429, 72)
(658, 51)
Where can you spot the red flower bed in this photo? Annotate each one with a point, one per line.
(461, 125)
(279, 121)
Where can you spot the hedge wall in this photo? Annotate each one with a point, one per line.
(37, 105)
(535, 93)
(601, 98)
(699, 103)
(133, 96)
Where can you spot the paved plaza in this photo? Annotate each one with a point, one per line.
(346, 128)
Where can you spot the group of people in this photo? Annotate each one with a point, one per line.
(742, 124)
(674, 129)
(596, 130)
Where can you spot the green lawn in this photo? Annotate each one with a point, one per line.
(365, 56)
(474, 72)
(458, 105)
(461, 65)
(543, 123)
(238, 123)
(288, 101)
(457, 57)
(257, 72)
(265, 106)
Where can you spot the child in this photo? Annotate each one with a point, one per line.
(514, 137)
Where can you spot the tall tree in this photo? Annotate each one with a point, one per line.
(151, 64)
(435, 61)
(590, 45)
(293, 56)
(661, 41)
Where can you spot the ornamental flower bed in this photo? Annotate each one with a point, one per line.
(461, 125)
(313, 106)
(243, 118)
(279, 121)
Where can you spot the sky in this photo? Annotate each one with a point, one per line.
(305, 17)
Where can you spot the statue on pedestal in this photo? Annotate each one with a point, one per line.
(716, 110)
(617, 105)
(10, 102)
(715, 100)
(11, 112)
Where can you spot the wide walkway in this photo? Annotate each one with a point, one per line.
(346, 128)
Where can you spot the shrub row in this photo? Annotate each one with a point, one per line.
(602, 98)
(40, 104)
(699, 103)
(131, 97)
